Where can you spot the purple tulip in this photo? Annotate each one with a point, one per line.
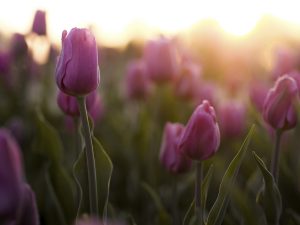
(28, 213)
(96, 111)
(258, 92)
(170, 157)
(187, 83)
(39, 23)
(77, 71)
(279, 110)
(232, 117)
(201, 138)
(18, 46)
(162, 60)
(68, 104)
(10, 176)
(138, 84)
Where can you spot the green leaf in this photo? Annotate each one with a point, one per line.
(64, 190)
(104, 169)
(204, 189)
(47, 142)
(164, 217)
(269, 196)
(217, 212)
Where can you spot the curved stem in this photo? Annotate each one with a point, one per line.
(90, 159)
(198, 210)
(275, 156)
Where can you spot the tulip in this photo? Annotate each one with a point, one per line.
(285, 61)
(18, 46)
(280, 113)
(77, 71)
(39, 23)
(138, 85)
(170, 157)
(232, 117)
(279, 110)
(69, 105)
(187, 83)
(201, 137)
(258, 92)
(162, 60)
(10, 176)
(97, 109)
(28, 211)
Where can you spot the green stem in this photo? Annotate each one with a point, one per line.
(275, 156)
(198, 210)
(90, 159)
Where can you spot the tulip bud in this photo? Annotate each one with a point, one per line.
(279, 110)
(188, 81)
(201, 138)
(10, 176)
(170, 157)
(68, 104)
(77, 71)
(162, 60)
(232, 117)
(39, 23)
(18, 46)
(138, 85)
(28, 208)
(285, 61)
(258, 93)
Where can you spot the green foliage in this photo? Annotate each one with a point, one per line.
(217, 212)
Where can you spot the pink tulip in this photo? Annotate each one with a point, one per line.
(187, 84)
(258, 92)
(162, 60)
(201, 138)
(77, 71)
(232, 119)
(138, 84)
(10, 176)
(39, 23)
(170, 157)
(279, 110)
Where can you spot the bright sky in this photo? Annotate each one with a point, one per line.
(116, 21)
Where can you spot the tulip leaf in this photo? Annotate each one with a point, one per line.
(217, 212)
(47, 142)
(64, 190)
(164, 217)
(269, 196)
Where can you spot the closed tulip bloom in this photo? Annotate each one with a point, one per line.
(201, 138)
(10, 176)
(69, 105)
(39, 23)
(170, 157)
(285, 61)
(28, 208)
(138, 84)
(258, 92)
(77, 71)
(188, 81)
(279, 110)
(162, 60)
(232, 119)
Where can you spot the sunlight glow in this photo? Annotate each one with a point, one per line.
(115, 22)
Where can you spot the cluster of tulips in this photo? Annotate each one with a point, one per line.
(169, 120)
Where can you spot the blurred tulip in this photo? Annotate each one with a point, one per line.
(39, 23)
(170, 157)
(68, 104)
(201, 138)
(279, 110)
(284, 62)
(10, 176)
(5, 68)
(18, 46)
(77, 70)
(258, 92)
(28, 208)
(296, 75)
(138, 84)
(162, 60)
(232, 119)
(187, 83)
(206, 91)
(97, 109)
